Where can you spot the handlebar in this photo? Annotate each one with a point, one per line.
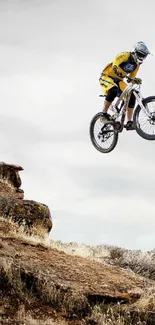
(129, 79)
(137, 81)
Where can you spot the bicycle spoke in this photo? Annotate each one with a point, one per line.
(103, 136)
(145, 119)
(105, 140)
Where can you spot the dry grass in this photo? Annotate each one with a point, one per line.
(28, 319)
(142, 263)
(146, 303)
(97, 253)
(18, 232)
(102, 315)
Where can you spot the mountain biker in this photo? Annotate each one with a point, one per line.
(111, 79)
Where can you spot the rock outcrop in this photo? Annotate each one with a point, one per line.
(34, 216)
(10, 181)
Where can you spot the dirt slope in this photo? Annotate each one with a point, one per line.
(37, 276)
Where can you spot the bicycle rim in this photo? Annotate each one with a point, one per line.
(103, 136)
(144, 120)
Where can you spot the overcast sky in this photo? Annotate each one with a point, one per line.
(51, 56)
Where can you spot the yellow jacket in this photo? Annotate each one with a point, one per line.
(121, 66)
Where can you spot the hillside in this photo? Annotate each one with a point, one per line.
(48, 282)
(43, 285)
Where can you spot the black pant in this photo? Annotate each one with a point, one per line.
(113, 92)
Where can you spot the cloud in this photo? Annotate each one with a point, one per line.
(52, 53)
(111, 230)
(115, 180)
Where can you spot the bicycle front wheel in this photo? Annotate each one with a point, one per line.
(103, 136)
(144, 120)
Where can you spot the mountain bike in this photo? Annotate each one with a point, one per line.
(104, 135)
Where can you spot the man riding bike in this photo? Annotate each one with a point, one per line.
(111, 79)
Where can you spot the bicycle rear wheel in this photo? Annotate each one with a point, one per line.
(144, 120)
(103, 136)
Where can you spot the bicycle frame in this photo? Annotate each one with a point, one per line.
(125, 96)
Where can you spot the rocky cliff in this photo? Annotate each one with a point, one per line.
(35, 217)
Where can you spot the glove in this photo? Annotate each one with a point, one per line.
(137, 81)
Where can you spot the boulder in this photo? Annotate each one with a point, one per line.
(30, 214)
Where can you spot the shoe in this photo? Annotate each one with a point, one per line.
(129, 126)
(105, 117)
